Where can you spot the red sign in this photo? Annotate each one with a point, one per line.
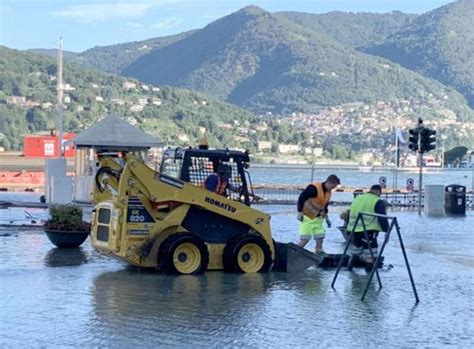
(46, 146)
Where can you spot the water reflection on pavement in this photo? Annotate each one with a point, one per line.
(54, 297)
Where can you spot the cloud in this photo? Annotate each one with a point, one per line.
(166, 23)
(105, 11)
(135, 25)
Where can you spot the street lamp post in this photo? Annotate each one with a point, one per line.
(60, 90)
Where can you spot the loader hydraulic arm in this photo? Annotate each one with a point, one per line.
(106, 180)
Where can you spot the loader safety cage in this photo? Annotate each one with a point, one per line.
(195, 165)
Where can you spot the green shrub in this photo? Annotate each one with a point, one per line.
(66, 217)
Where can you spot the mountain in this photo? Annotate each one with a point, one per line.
(356, 30)
(438, 44)
(112, 59)
(267, 63)
(28, 98)
(324, 72)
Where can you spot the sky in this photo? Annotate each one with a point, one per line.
(26, 24)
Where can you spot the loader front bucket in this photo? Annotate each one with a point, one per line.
(293, 258)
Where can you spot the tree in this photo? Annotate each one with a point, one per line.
(339, 152)
(6, 144)
(455, 154)
(38, 120)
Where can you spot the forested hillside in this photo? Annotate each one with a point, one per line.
(357, 30)
(113, 59)
(438, 44)
(267, 63)
(53, 52)
(28, 97)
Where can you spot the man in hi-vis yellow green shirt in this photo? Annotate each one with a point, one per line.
(368, 203)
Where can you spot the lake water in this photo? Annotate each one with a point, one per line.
(60, 298)
(299, 175)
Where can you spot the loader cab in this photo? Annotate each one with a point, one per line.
(195, 165)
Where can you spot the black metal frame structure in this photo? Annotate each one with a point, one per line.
(195, 165)
(393, 224)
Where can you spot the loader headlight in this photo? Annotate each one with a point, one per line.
(103, 224)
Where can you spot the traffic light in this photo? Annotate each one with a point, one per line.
(428, 137)
(413, 139)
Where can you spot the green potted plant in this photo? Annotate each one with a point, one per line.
(65, 227)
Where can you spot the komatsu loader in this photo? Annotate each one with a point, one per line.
(167, 220)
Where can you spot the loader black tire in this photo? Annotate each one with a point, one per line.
(183, 253)
(247, 253)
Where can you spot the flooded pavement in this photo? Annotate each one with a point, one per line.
(77, 298)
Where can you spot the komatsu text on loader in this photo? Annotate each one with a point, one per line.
(169, 221)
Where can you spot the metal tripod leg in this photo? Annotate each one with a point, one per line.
(371, 255)
(339, 265)
(341, 260)
(376, 263)
(406, 261)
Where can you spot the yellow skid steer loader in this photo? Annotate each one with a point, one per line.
(168, 220)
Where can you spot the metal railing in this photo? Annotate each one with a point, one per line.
(285, 195)
(393, 224)
(398, 200)
(277, 195)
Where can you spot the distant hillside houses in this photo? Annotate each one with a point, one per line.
(17, 100)
(264, 146)
(68, 87)
(183, 137)
(288, 148)
(137, 108)
(127, 86)
(370, 120)
(21, 101)
(317, 151)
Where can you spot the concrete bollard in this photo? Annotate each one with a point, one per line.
(434, 200)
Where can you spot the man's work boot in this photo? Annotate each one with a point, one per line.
(321, 252)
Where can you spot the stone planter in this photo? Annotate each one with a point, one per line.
(69, 239)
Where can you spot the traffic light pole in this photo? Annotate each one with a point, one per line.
(421, 140)
(420, 157)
